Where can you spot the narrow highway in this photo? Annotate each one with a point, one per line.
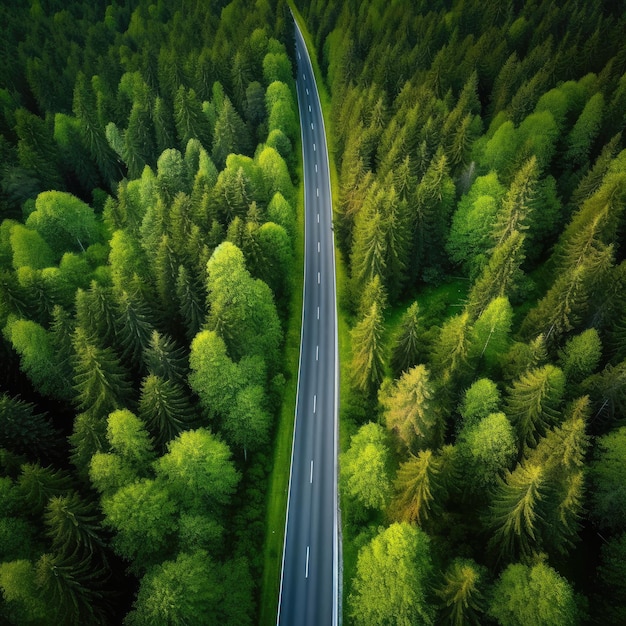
(309, 586)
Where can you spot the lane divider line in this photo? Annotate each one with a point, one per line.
(306, 567)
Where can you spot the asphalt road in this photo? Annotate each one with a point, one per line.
(310, 581)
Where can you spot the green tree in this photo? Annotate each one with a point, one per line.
(481, 399)
(29, 248)
(451, 349)
(214, 376)
(165, 359)
(367, 351)
(391, 584)
(462, 593)
(366, 467)
(585, 131)
(199, 472)
(242, 309)
(433, 204)
(515, 512)
(499, 276)
(581, 355)
(534, 594)
(100, 381)
(36, 149)
(517, 203)
(65, 222)
(38, 484)
(410, 411)
(420, 488)
(380, 245)
(608, 477)
(490, 333)
(133, 327)
(408, 348)
(230, 135)
(37, 357)
(25, 431)
(73, 525)
(248, 422)
(143, 516)
(194, 590)
(486, 450)
(21, 592)
(533, 402)
(471, 230)
(191, 123)
(612, 588)
(129, 438)
(165, 408)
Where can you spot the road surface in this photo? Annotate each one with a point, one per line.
(309, 586)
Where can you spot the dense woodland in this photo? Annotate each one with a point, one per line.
(482, 185)
(148, 211)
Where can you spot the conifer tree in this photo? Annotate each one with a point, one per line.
(73, 525)
(499, 276)
(25, 431)
(516, 513)
(165, 408)
(419, 487)
(133, 326)
(72, 588)
(517, 204)
(165, 359)
(409, 344)
(410, 412)
(462, 596)
(100, 381)
(368, 351)
(37, 484)
(533, 402)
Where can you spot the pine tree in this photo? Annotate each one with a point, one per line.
(73, 589)
(23, 430)
(165, 359)
(419, 487)
(433, 203)
(191, 299)
(95, 313)
(191, 123)
(515, 513)
(165, 408)
(499, 276)
(533, 402)
(73, 525)
(100, 381)
(38, 484)
(409, 411)
(368, 351)
(134, 328)
(409, 344)
(462, 597)
(517, 204)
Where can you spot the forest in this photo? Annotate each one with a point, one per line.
(148, 207)
(480, 211)
(148, 213)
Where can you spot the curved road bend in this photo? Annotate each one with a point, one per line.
(309, 586)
